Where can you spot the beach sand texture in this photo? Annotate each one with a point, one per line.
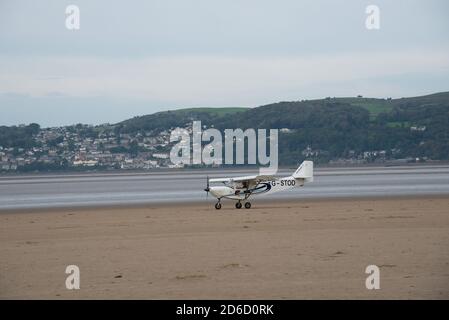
(276, 250)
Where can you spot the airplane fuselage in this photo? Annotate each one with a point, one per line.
(237, 192)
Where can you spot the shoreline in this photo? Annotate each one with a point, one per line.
(228, 204)
(156, 171)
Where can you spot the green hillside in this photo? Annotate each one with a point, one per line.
(213, 111)
(373, 106)
(377, 106)
(416, 127)
(175, 118)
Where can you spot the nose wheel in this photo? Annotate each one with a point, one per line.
(218, 206)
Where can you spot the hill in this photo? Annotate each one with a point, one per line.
(213, 111)
(160, 121)
(332, 128)
(346, 129)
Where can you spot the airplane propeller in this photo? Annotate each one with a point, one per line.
(207, 187)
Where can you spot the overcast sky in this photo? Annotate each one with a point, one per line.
(132, 58)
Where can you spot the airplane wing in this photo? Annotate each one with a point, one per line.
(257, 179)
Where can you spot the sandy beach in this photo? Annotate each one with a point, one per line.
(276, 250)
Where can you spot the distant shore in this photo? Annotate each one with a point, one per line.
(276, 250)
(234, 168)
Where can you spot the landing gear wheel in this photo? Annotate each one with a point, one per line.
(247, 205)
(238, 205)
(218, 206)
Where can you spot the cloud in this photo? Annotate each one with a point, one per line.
(187, 80)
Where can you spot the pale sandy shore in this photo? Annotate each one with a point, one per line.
(294, 250)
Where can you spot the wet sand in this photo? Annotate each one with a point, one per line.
(276, 250)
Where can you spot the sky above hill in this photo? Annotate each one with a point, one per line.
(132, 58)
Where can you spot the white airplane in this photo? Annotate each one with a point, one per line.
(241, 188)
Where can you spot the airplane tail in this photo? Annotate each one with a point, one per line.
(305, 171)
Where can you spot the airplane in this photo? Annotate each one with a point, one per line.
(241, 188)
